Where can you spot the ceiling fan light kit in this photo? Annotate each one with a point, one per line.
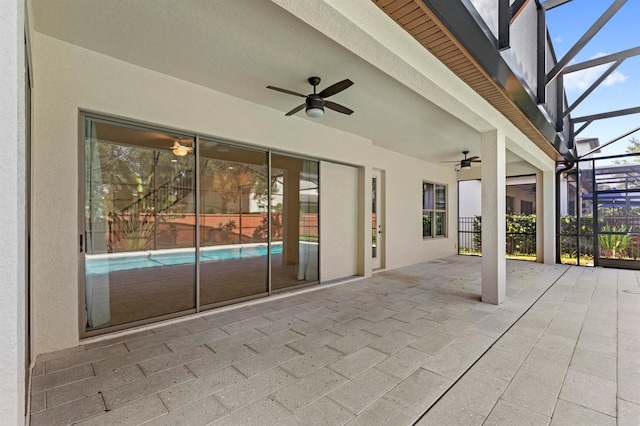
(180, 150)
(315, 102)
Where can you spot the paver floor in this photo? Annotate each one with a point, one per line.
(408, 346)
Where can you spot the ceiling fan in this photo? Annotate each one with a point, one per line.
(315, 102)
(465, 163)
(180, 150)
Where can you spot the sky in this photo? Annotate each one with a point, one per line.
(566, 24)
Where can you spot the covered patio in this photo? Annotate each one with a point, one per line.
(413, 345)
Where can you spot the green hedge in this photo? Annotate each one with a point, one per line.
(521, 234)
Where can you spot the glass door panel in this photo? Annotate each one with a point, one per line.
(377, 238)
(294, 221)
(139, 225)
(233, 223)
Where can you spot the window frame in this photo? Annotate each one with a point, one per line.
(433, 211)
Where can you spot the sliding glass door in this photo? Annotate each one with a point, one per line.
(174, 224)
(139, 225)
(233, 223)
(294, 221)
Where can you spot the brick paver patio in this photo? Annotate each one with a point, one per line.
(409, 345)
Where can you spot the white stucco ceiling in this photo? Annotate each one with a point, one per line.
(240, 46)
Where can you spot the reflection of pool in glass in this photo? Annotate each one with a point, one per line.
(104, 264)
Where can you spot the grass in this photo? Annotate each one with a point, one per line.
(568, 259)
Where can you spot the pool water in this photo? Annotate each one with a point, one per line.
(106, 264)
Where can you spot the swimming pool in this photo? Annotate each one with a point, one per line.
(106, 263)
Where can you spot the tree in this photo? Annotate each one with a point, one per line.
(632, 148)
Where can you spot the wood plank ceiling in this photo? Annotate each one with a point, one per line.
(416, 18)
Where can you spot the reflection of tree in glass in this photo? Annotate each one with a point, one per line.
(138, 187)
(230, 181)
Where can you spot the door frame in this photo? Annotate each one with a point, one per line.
(378, 208)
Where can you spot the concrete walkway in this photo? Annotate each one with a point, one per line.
(408, 345)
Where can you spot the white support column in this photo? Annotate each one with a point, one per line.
(545, 217)
(12, 208)
(548, 214)
(539, 217)
(493, 154)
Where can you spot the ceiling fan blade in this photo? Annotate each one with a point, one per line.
(337, 107)
(476, 161)
(452, 161)
(475, 157)
(335, 88)
(296, 109)
(286, 91)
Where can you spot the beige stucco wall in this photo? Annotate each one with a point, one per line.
(70, 78)
(338, 221)
(12, 217)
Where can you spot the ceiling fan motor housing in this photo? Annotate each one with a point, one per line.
(314, 101)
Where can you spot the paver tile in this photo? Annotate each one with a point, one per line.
(272, 341)
(352, 342)
(313, 341)
(505, 413)
(403, 363)
(166, 362)
(311, 327)
(262, 362)
(446, 412)
(355, 363)
(60, 378)
(135, 413)
(264, 412)
(384, 412)
(477, 392)
(359, 393)
(596, 343)
(418, 391)
(433, 342)
(129, 392)
(308, 389)
(85, 357)
(220, 359)
(500, 364)
(322, 412)
(628, 413)
(590, 391)
(246, 324)
(92, 385)
(311, 361)
(194, 390)
(72, 412)
(111, 365)
(199, 413)
(393, 342)
(568, 413)
(196, 339)
(251, 390)
(146, 341)
(595, 363)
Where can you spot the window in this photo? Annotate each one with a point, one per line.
(511, 202)
(434, 210)
(526, 207)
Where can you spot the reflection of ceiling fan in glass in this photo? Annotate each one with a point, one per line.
(180, 150)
